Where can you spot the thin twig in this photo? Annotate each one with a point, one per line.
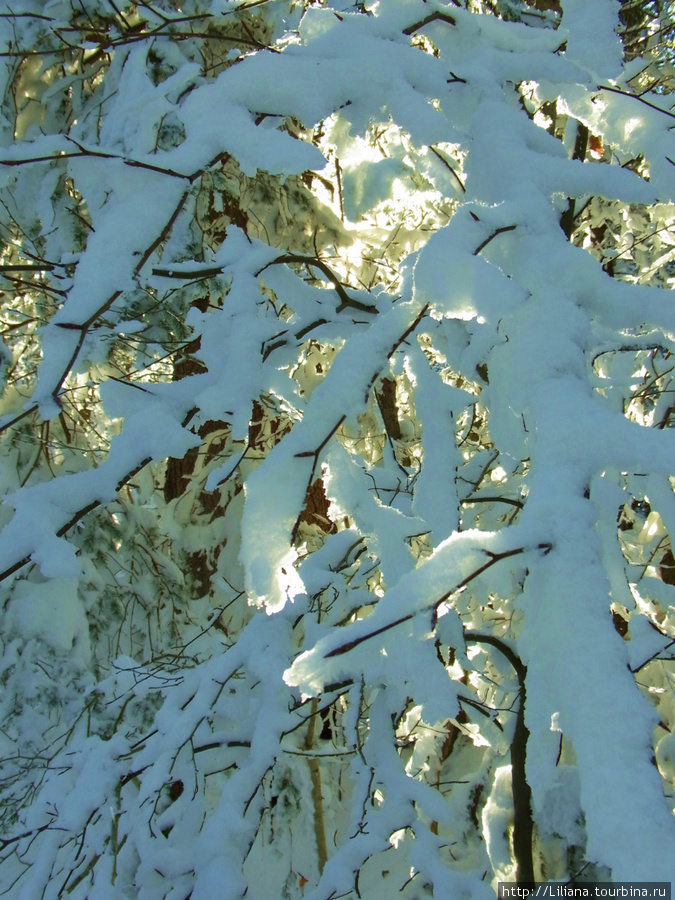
(494, 558)
(523, 825)
(346, 301)
(211, 272)
(310, 480)
(494, 234)
(656, 655)
(317, 799)
(508, 500)
(613, 90)
(397, 344)
(80, 514)
(92, 153)
(433, 17)
(448, 166)
(338, 175)
(44, 268)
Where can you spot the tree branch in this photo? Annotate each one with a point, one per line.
(346, 301)
(494, 234)
(80, 514)
(494, 558)
(523, 825)
(397, 344)
(613, 90)
(315, 455)
(448, 166)
(433, 17)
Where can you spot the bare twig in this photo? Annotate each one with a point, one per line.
(508, 500)
(656, 655)
(44, 268)
(448, 166)
(338, 175)
(613, 90)
(310, 480)
(100, 154)
(80, 514)
(5, 842)
(494, 558)
(95, 154)
(523, 826)
(317, 799)
(211, 272)
(397, 344)
(494, 234)
(433, 17)
(346, 301)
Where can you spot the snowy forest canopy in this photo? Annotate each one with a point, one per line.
(337, 464)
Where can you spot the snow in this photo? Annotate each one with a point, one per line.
(53, 613)
(493, 321)
(592, 711)
(592, 39)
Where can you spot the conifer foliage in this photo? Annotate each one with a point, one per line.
(337, 469)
